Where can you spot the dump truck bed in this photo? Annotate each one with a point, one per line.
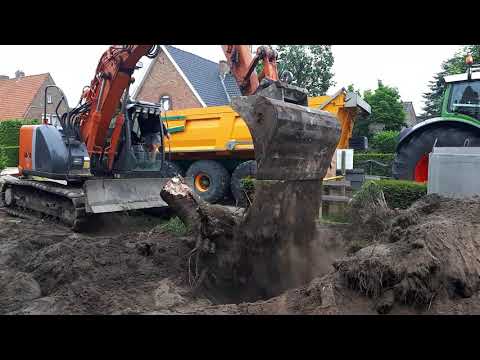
(220, 132)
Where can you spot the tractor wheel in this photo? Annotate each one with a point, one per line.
(170, 169)
(209, 179)
(247, 168)
(411, 158)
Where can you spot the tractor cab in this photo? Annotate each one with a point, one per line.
(457, 126)
(462, 95)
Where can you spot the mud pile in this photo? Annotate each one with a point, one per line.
(421, 260)
(430, 250)
(425, 259)
(134, 267)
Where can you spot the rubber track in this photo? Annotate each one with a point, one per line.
(76, 196)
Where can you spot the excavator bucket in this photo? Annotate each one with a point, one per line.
(110, 195)
(291, 141)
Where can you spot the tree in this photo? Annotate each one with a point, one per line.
(385, 141)
(455, 65)
(311, 66)
(387, 110)
(351, 88)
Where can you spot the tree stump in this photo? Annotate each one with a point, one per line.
(268, 249)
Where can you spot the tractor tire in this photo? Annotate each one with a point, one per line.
(170, 169)
(247, 168)
(209, 179)
(410, 153)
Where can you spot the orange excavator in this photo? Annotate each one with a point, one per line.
(242, 65)
(97, 161)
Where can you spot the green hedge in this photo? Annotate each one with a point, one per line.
(9, 137)
(3, 160)
(360, 161)
(400, 193)
(385, 141)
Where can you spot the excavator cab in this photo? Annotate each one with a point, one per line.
(142, 146)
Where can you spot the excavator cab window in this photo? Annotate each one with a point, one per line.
(465, 98)
(145, 120)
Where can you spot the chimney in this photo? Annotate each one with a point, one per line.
(4, 77)
(19, 74)
(223, 68)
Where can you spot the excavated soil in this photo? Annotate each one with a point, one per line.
(123, 265)
(423, 260)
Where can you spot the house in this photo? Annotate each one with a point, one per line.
(178, 79)
(411, 117)
(22, 97)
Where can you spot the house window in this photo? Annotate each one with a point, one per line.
(166, 102)
(49, 99)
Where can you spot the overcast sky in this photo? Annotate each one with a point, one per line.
(408, 67)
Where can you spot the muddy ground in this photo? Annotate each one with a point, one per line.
(132, 264)
(126, 264)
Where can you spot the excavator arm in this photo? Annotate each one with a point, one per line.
(101, 99)
(291, 141)
(243, 65)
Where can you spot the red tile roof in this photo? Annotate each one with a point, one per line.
(16, 95)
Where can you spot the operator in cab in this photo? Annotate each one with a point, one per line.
(151, 127)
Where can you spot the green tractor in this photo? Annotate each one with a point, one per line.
(458, 125)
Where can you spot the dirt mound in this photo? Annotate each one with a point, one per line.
(432, 249)
(123, 265)
(422, 260)
(47, 269)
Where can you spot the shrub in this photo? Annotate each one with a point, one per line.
(370, 163)
(398, 193)
(248, 185)
(9, 138)
(385, 141)
(3, 160)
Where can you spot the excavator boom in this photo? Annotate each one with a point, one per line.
(112, 77)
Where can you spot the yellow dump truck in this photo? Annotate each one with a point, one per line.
(212, 147)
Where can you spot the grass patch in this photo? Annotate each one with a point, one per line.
(174, 226)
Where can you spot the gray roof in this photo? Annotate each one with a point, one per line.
(204, 76)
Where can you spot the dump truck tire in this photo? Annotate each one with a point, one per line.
(409, 154)
(170, 169)
(209, 179)
(247, 168)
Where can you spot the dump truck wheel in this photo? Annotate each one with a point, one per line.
(170, 169)
(209, 179)
(411, 158)
(247, 168)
